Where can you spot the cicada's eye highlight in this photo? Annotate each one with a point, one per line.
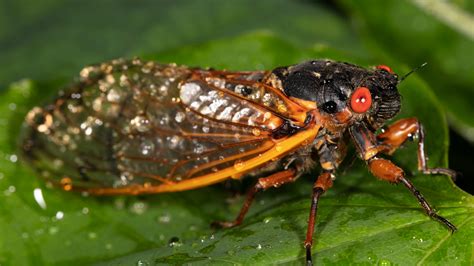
(361, 100)
(385, 68)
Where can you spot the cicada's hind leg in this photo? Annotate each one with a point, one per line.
(322, 184)
(274, 180)
(410, 128)
(386, 170)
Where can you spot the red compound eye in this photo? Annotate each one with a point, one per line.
(384, 67)
(361, 100)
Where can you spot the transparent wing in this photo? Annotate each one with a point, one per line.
(134, 127)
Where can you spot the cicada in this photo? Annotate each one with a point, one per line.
(134, 127)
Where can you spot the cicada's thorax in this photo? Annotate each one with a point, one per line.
(328, 86)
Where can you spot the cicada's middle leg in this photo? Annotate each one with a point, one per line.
(322, 184)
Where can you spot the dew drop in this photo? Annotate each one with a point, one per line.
(165, 218)
(146, 69)
(174, 142)
(199, 149)
(174, 242)
(239, 165)
(113, 96)
(179, 117)
(189, 91)
(259, 246)
(142, 263)
(124, 82)
(256, 132)
(88, 131)
(147, 147)
(163, 90)
(10, 190)
(13, 158)
(165, 119)
(138, 207)
(140, 123)
(123, 181)
(266, 99)
(205, 129)
(59, 215)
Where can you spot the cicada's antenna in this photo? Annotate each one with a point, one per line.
(411, 72)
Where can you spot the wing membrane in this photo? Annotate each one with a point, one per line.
(134, 127)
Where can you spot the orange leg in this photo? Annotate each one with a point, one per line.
(386, 170)
(274, 180)
(410, 128)
(323, 183)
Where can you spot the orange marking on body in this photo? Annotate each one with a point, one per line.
(224, 135)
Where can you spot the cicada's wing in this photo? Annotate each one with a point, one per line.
(133, 127)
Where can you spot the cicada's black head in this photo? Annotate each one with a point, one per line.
(365, 95)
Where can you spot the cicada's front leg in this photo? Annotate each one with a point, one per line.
(410, 128)
(368, 148)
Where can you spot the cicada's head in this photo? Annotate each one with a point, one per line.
(344, 93)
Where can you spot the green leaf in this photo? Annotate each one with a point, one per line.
(361, 220)
(438, 32)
